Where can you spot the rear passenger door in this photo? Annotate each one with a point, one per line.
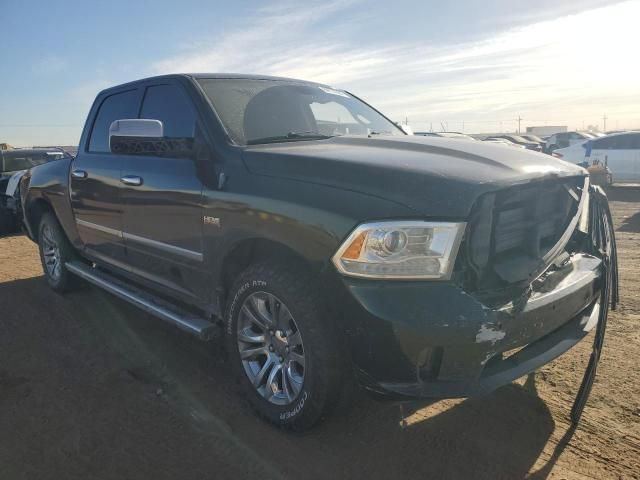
(95, 186)
(162, 219)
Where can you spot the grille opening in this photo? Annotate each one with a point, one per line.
(512, 230)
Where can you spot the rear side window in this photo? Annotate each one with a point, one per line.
(170, 105)
(115, 107)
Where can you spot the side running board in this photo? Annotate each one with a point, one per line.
(199, 326)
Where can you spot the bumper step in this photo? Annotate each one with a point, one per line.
(190, 323)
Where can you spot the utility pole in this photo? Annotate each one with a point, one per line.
(519, 120)
(604, 121)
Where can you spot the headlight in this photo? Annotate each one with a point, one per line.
(401, 250)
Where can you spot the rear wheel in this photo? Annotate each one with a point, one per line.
(55, 252)
(283, 345)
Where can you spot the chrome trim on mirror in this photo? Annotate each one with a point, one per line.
(136, 127)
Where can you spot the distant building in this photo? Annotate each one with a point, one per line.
(5, 146)
(547, 129)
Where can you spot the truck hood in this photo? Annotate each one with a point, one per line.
(437, 177)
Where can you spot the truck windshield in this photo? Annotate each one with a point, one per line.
(267, 111)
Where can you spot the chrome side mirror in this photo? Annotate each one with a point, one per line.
(146, 137)
(134, 127)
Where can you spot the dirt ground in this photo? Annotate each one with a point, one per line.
(92, 388)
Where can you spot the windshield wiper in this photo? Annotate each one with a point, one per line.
(289, 137)
(380, 133)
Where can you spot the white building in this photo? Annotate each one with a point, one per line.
(547, 129)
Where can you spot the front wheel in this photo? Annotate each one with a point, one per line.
(55, 252)
(283, 345)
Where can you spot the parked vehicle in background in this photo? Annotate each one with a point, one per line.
(534, 138)
(330, 247)
(619, 152)
(503, 141)
(458, 135)
(13, 165)
(565, 139)
(519, 140)
(599, 174)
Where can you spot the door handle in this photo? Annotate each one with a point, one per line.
(79, 174)
(131, 180)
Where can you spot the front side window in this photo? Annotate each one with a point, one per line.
(170, 105)
(628, 141)
(267, 111)
(115, 107)
(605, 143)
(634, 141)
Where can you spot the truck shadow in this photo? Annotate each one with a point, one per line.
(497, 436)
(624, 193)
(630, 224)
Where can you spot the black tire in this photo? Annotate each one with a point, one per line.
(323, 370)
(50, 234)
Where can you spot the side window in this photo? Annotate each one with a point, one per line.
(170, 105)
(634, 144)
(562, 140)
(605, 143)
(114, 107)
(628, 141)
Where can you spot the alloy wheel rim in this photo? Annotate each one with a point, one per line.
(51, 253)
(271, 349)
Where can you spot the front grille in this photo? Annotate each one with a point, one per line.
(511, 231)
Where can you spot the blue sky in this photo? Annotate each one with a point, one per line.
(465, 65)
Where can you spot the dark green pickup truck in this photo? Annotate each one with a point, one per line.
(329, 246)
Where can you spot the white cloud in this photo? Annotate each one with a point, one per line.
(567, 70)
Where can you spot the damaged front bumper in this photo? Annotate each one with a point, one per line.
(418, 339)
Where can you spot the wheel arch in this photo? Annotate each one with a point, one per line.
(33, 214)
(254, 250)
